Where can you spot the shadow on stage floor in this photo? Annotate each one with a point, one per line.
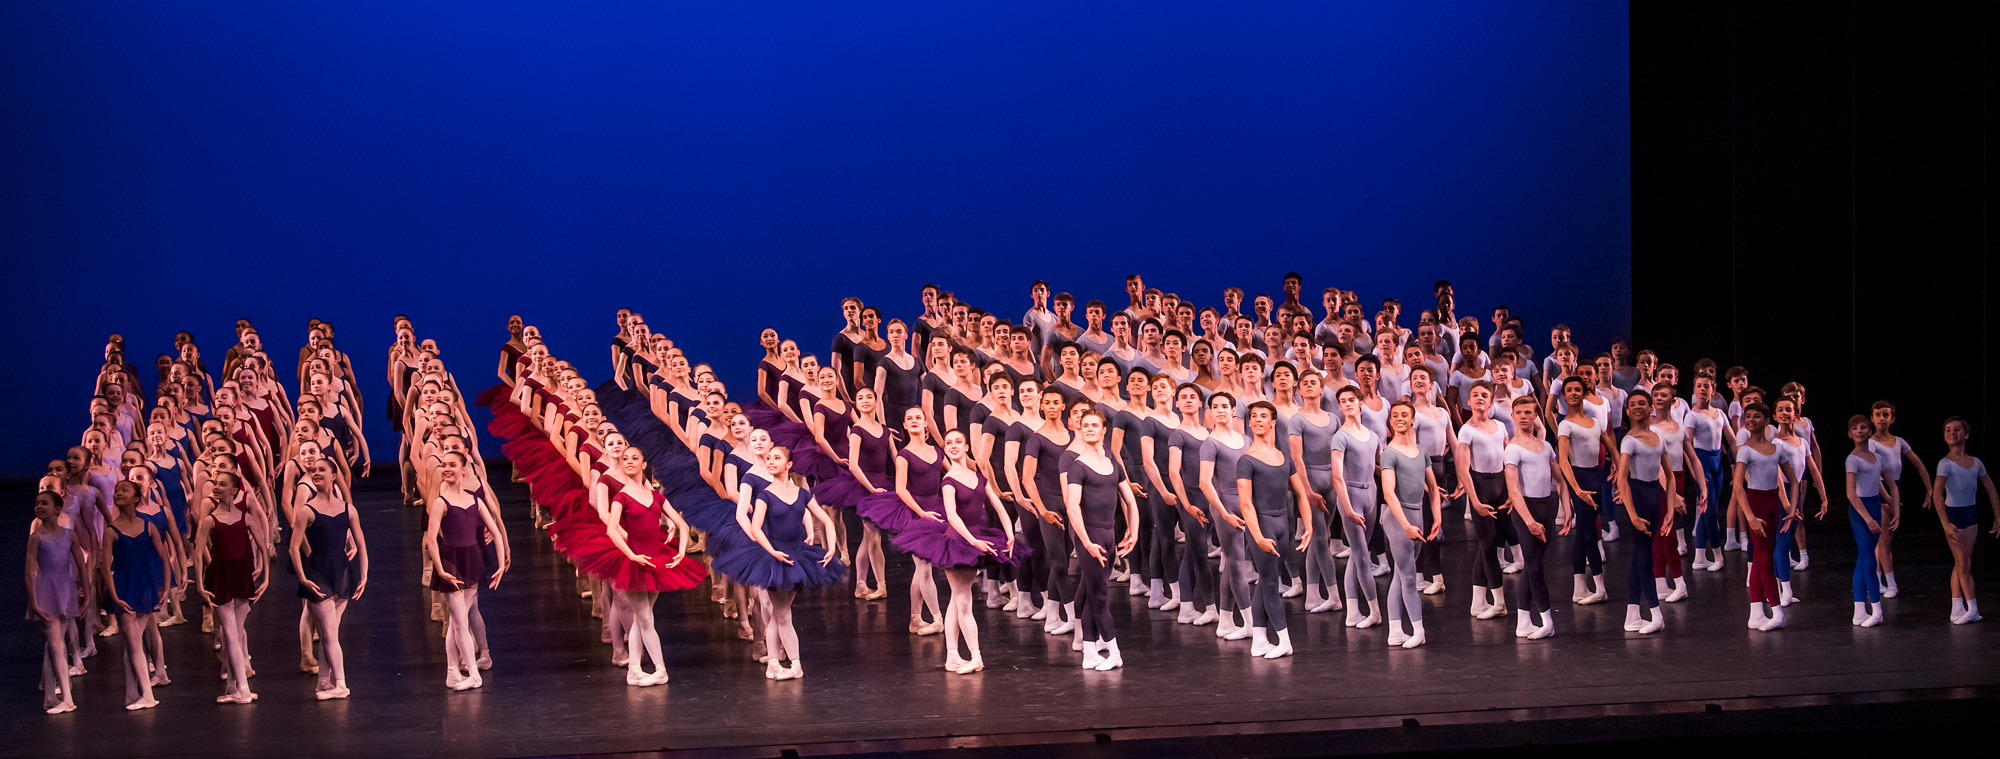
(870, 687)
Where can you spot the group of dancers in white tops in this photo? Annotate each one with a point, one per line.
(1216, 460)
(199, 497)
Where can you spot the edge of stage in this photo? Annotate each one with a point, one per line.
(870, 687)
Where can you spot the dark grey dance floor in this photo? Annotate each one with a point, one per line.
(871, 687)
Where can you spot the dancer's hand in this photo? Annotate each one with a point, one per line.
(781, 556)
(1052, 518)
(207, 596)
(1640, 524)
(358, 587)
(1457, 491)
(1199, 517)
(984, 547)
(1138, 491)
(682, 554)
(930, 516)
(124, 608)
(1267, 545)
(1414, 532)
(873, 489)
(1096, 552)
(1536, 529)
(1130, 542)
(1756, 525)
(1589, 498)
(1233, 520)
(1355, 517)
(1168, 496)
(447, 577)
(1873, 526)
(1895, 518)
(828, 558)
(365, 468)
(1305, 536)
(495, 585)
(1318, 501)
(640, 558)
(1437, 526)
(261, 587)
(312, 586)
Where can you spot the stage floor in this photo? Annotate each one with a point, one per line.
(870, 686)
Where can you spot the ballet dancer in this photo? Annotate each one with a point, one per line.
(1095, 492)
(452, 537)
(324, 524)
(1311, 448)
(1895, 453)
(1264, 475)
(55, 557)
(1641, 470)
(964, 542)
(1533, 493)
(919, 476)
(772, 555)
(1408, 489)
(1765, 508)
(1869, 513)
(1960, 477)
(1197, 578)
(230, 560)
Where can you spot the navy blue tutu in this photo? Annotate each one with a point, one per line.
(889, 513)
(942, 546)
(749, 564)
(840, 491)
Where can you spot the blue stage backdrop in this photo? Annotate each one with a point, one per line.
(726, 166)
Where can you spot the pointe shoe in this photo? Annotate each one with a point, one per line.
(236, 698)
(1396, 634)
(972, 666)
(878, 595)
(144, 703)
(931, 629)
(326, 695)
(453, 678)
(1595, 598)
(952, 662)
(916, 625)
(771, 669)
(1659, 623)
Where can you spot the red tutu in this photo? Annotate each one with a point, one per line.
(640, 519)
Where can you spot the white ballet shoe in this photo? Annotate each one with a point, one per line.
(1294, 590)
(1785, 597)
(1174, 597)
(1138, 587)
(1659, 623)
(1436, 586)
(1240, 631)
(657, 678)
(1803, 562)
(1874, 616)
(1860, 613)
(1396, 634)
(1680, 593)
(144, 703)
(1757, 617)
(797, 671)
(1041, 613)
(1479, 602)
(635, 676)
(1374, 617)
(1187, 615)
(1330, 604)
(1258, 645)
(1341, 554)
(1111, 659)
(1633, 619)
(1382, 567)
(1547, 630)
(971, 665)
(1522, 627)
(1416, 635)
(1206, 617)
(1776, 621)
(62, 708)
(1284, 647)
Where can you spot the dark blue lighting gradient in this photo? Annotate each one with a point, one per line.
(725, 166)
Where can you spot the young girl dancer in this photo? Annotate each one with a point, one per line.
(1868, 514)
(962, 543)
(322, 526)
(1436, 436)
(1264, 475)
(919, 476)
(1960, 478)
(869, 447)
(1095, 490)
(132, 574)
(54, 558)
(1408, 489)
(776, 559)
(1532, 492)
(229, 565)
(452, 537)
(640, 568)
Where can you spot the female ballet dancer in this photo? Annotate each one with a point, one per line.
(1408, 488)
(842, 357)
(323, 524)
(1041, 475)
(1264, 475)
(132, 574)
(1095, 492)
(962, 543)
(1761, 476)
(776, 559)
(1311, 447)
(1532, 495)
(55, 556)
(1197, 579)
(1868, 515)
(230, 561)
(1954, 494)
(173, 561)
(452, 537)
(828, 418)
(1894, 452)
(919, 476)
(1581, 439)
(868, 448)
(1482, 449)
(639, 567)
(1641, 469)
(1436, 436)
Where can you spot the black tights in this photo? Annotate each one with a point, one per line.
(1490, 489)
(1094, 590)
(1536, 593)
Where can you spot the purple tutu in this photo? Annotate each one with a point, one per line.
(889, 513)
(841, 491)
(942, 546)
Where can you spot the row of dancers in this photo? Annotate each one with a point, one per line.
(197, 498)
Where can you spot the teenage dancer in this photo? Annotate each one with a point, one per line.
(230, 573)
(132, 574)
(1868, 515)
(1762, 474)
(55, 556)
(323, 523)
(1408, 488)
(1894, 452)
(1197, 579)
(963, 543)
(1581, 439)
(1095, 492)
(1641, 470)
(1264, 475)
(919, 476)
(1960, 477)
(452, 537)
(1532, 494)
(1041, 472)
(1157, 429)
(1798, 453)
(1355, 451)
(1435, 434)
(1311, 448)
(869, 447)
(1482, 447)
(1677, 445)
(777, 560)
(1708, 431)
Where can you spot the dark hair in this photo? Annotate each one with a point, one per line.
(1575, 379)
(1225, 395)
(1265, 405)
(1879, 405)
(1368, 358)
(1345, 389)
(1758, 407)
